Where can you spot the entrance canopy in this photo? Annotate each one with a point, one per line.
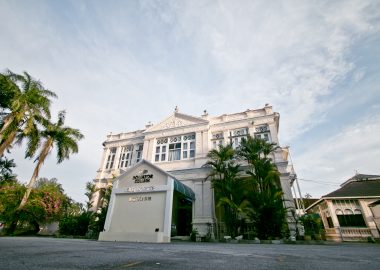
(145, 190)
(183, 189)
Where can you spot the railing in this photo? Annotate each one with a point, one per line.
(347, 234)
(355, 234)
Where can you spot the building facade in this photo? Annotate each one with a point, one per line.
(351, 213)
(178, 146)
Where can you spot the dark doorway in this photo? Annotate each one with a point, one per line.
(182, 215)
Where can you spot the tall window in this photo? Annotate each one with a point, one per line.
(263, 133)
(175, 148)
(236, 136)
(161, 149)
(111, 158)
(139, 149)
(217, 139)
(174, 151)
(125, 156)
(188, 149)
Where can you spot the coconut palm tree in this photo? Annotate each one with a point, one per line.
(6, 174)
(65, 139)
(29, 103)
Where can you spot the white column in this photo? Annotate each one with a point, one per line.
(168, 208)
(226, 137)
(331, 209)
(205, 139)
(104, 162)
(198, 144)
(273, 133)
(117, 158)
(145, 152)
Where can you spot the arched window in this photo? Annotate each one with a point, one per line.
(348, 212)
(349, 218)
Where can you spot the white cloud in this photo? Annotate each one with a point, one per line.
(287, 53)
(355, 148)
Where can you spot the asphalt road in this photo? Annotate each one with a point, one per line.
(18, 253)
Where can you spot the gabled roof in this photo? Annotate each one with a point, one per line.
(178, 186)
(361, 177)
(358, 188)
(177, 120)
(138, 164)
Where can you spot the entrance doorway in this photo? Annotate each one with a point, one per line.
(181, 215)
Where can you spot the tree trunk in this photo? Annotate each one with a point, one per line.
(7, 121)
(7, 143)
(45, 151)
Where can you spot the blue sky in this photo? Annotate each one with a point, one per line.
(116, 65)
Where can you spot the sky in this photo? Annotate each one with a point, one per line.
(116, 65)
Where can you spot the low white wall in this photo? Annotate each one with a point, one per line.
(156, 237)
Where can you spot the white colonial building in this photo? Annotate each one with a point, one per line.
(158, 175)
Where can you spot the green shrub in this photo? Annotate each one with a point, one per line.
(75, 225)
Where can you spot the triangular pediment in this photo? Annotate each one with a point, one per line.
(143, 174)
(177, 120)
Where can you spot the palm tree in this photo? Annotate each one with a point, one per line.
(224, 172)
(7, 92)
(29, 103)
(265, 199)
(6, 174)
(55, 134)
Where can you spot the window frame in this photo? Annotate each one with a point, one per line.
(263, 133)
(139, 149)
(125, 159)
(175, 148)
(111, 158)
(236, 135)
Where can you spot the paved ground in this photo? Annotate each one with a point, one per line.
(50, 253)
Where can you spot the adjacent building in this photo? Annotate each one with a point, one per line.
(160, 186)
(352, 212)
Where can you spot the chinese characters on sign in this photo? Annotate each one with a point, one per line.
(140, 199)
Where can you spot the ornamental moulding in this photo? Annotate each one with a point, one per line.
(121, 143)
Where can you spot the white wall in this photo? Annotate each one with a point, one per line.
(138, 216)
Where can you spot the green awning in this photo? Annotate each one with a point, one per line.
(185, 190)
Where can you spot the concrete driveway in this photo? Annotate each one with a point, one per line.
(51, 253)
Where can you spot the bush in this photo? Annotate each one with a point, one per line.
(312, 224)
(75, 225)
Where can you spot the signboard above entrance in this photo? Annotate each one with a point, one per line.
(143, 177)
